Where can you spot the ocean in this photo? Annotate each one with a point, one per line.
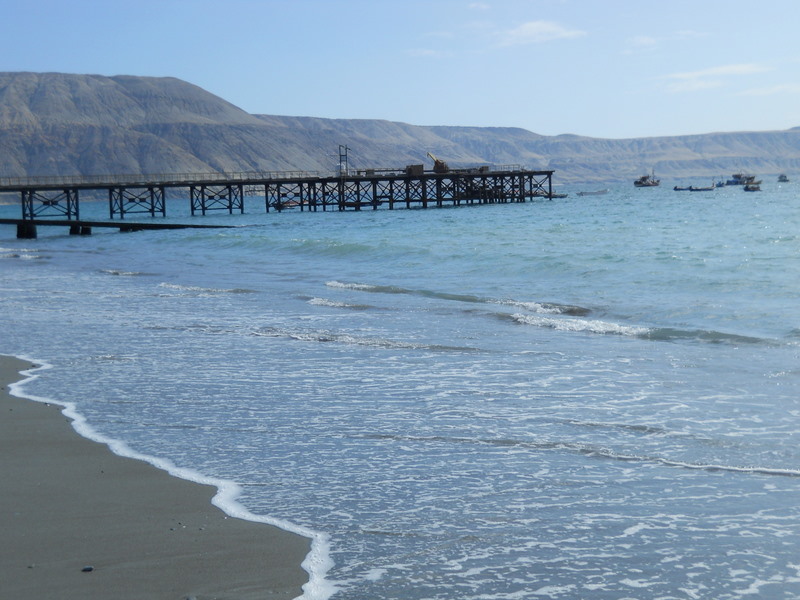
(591, 397)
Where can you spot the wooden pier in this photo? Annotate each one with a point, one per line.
(26, 228)
(56, 199)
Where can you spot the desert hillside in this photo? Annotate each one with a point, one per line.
(59, 124)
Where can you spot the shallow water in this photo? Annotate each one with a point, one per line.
(589, 397)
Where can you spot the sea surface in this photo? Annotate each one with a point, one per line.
(586, 398)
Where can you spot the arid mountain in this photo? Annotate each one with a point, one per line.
(62, 124)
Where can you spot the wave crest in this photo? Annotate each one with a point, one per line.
(581, 325)
(533, 306)
(192, 289)
(337, 304)
(590, 451)
(350, 339)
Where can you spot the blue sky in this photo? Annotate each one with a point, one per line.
(601, 68)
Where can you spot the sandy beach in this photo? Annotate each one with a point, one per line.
(78, 521)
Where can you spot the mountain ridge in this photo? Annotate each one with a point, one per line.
(70, 124)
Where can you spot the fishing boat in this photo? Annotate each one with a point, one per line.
(544, 194)
(647, 181)
(710, 188)
(782, 178)
(742, 179)
(752, 187)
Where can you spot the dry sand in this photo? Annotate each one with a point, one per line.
(67, 503)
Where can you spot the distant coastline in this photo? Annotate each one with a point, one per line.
(85, 126)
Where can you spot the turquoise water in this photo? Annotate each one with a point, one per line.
(592, 397)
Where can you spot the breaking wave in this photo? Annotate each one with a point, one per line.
(591, 451)
(20, 253)
(581, 325)
(337, 304)
(121, 273)
(350, 339)
(203, 291)
(714, 337)
(541, 307)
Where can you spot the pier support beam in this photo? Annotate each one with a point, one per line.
(26, 231)
(282, 195)
(328, 193)
(129, 200)
(415, 191)
(80, 230)
(356, 194)
(50, 203)
(205, 198)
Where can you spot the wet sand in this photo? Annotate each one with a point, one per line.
(78, 521)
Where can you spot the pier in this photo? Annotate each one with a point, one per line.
(56, 200)
(26, 228)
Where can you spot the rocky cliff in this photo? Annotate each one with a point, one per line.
(59, 124)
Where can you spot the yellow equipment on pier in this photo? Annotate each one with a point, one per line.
(439, 166)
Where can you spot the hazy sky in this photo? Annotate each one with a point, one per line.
(602, 68)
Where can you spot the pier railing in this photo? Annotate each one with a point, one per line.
(102, 181)
(176, 179)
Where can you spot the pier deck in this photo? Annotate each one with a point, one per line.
(56, 199)
(80, 227)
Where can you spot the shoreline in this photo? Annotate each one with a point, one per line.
(81, 521)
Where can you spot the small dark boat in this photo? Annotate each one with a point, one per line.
(682, 189)
(752, 187)
(594, 193)
(647, 181)
(544, 194)
(710, 188)
(782, 178)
